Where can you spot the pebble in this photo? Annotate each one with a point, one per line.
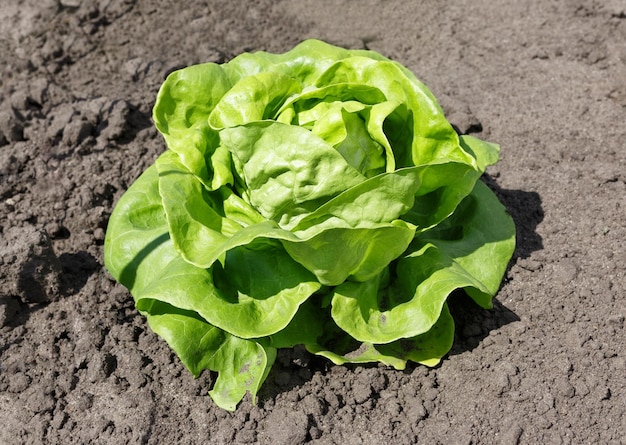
(512, 436)
(287, 427)
(9, 307)
(415, 409)
(76, 132)
(564, 387)
(70, 3)
(31, 270)
(101, 366)
(19, 382)
(616, 320)
(11, 127)
(361, 392)
(503, 384)
(566, 270)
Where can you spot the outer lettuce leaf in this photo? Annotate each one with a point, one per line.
(140, 255)
(438, 197)
(479, 237)
(242, 365)
(380, 311)
(254, 294)
(427, 348)
(454, 256)
(313, 327)
(137, 244)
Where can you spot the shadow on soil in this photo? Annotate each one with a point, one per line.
(76, 270)
(525, 209)
(473, 323)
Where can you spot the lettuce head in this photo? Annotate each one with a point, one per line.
(317, 197)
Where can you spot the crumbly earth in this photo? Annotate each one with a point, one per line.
(544, 79)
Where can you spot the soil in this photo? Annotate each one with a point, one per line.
(544, 79)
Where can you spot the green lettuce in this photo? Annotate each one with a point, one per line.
(317, 197)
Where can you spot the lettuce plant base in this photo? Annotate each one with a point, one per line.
(545, 365)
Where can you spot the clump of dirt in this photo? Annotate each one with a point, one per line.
(547, 81)
(30, 265)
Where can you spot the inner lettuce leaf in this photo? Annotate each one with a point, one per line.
(317, 197)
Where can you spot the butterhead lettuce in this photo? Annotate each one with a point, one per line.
(316, 197)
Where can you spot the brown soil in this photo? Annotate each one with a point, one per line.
(545, 79)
